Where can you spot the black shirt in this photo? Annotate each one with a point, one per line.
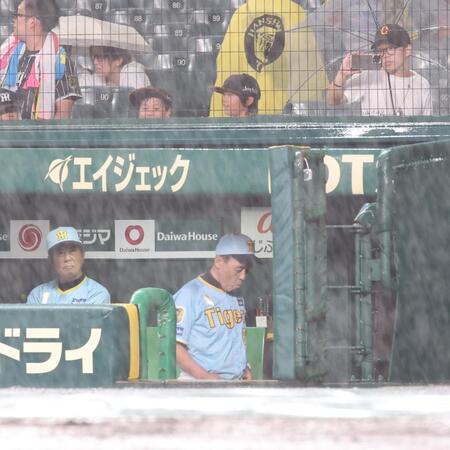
(66, 87)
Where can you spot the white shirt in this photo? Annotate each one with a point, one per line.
(411, 95)
(132, 76)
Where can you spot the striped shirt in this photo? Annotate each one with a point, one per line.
(67, 87)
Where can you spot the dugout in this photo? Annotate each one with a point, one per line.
(228, 174)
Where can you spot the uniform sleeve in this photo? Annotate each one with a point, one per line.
(34, 297)
(68, 86)
(186, 314)
(99, 295)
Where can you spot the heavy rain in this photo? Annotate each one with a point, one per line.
(224, 223)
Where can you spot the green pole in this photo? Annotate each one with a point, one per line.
(162, 301)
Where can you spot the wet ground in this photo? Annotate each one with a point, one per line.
(207, 418)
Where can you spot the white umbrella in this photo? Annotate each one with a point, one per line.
(85, 31)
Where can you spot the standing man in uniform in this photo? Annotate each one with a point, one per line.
(33, 65)
(211, 316)
(72, 286)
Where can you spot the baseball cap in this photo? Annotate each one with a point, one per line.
(239, 246)
(7, 101)
(393, 34)
(61, 235)
(138, 95)
(242, 84)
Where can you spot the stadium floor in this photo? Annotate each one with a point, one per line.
(219, 417)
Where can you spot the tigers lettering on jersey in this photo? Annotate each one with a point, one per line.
(228, 317)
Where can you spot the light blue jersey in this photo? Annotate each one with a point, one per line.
(87, 292)
(211, 323)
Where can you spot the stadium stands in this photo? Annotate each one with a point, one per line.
(185, 37)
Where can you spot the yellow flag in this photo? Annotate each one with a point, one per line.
(269, 40)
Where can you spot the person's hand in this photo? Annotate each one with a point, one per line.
(345, 71)
(247, 374)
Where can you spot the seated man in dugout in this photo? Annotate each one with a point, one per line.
(8, 105)
(114, 67)
(152, 103)
(71, 286)
(35, 66)
(211, 316)
(240, 95)
(389, 89)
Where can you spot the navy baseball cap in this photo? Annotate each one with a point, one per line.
(239, 246)
(392, 34)
(242, 84)
(138, 95)
(62, 235)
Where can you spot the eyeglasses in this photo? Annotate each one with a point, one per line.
(387, 51)
(15, 15)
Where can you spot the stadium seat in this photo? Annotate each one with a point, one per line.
(84, 63)
(82, 7)
(140, 4)
(5, 18)
(137, 18)
(120, 103)
(204, 64)
(96, 101)
(230, 5)
(63, 3)
(210, 22)
(119, 16)
(5, 31)
(7, 7)
(171, 11)
(200, 45)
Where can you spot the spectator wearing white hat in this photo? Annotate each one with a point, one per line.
(71, 286)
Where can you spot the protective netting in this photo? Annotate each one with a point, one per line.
(294, 52)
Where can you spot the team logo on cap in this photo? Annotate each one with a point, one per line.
(30, 237)
(264, 41)
(384, 31)
(5, 97)
(62, 235)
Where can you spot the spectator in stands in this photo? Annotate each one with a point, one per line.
(33, 65)
(240, 95)
(211, 315)
(395, 89)
(152, 103)
(8, 106)
(72, 286)
(115, 67)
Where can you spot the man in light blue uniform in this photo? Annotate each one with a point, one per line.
(211, 318)
(72, 286)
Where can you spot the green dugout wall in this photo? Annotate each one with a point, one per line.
(413, 223)
(205, 172)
